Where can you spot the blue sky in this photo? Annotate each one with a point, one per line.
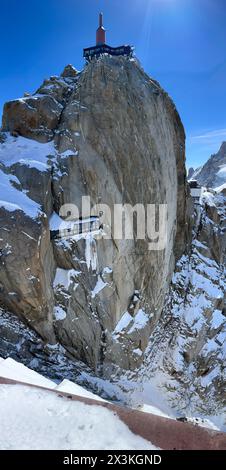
(181, 43)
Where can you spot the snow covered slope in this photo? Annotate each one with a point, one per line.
(184, 371)
(75, 389)
(11, 369)
(13, 199)
(38, 419)
(26, 151)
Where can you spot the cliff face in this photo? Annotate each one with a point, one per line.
(113, 134)
(185, 359)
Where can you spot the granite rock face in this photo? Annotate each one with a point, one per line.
(30, 115)
(26, 272)
(110, 133)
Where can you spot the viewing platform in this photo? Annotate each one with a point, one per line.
(90, 52)
(102, 48)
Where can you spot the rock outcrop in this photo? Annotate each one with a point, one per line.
(26, 269)
(110, 133)
(191, 171)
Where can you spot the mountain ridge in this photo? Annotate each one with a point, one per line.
(213, 173)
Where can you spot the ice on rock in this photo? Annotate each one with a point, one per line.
(91, 252)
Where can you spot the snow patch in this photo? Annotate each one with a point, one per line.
(59, 313)
(69, 153)
(140, 321)
(123, 323)
(26, 151)
(107, 270)
(100, 285)
(9, 194)
(64, 277)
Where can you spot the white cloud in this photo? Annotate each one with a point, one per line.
(210, 137)
(200, 146)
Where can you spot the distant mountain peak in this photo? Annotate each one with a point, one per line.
(213, 173)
